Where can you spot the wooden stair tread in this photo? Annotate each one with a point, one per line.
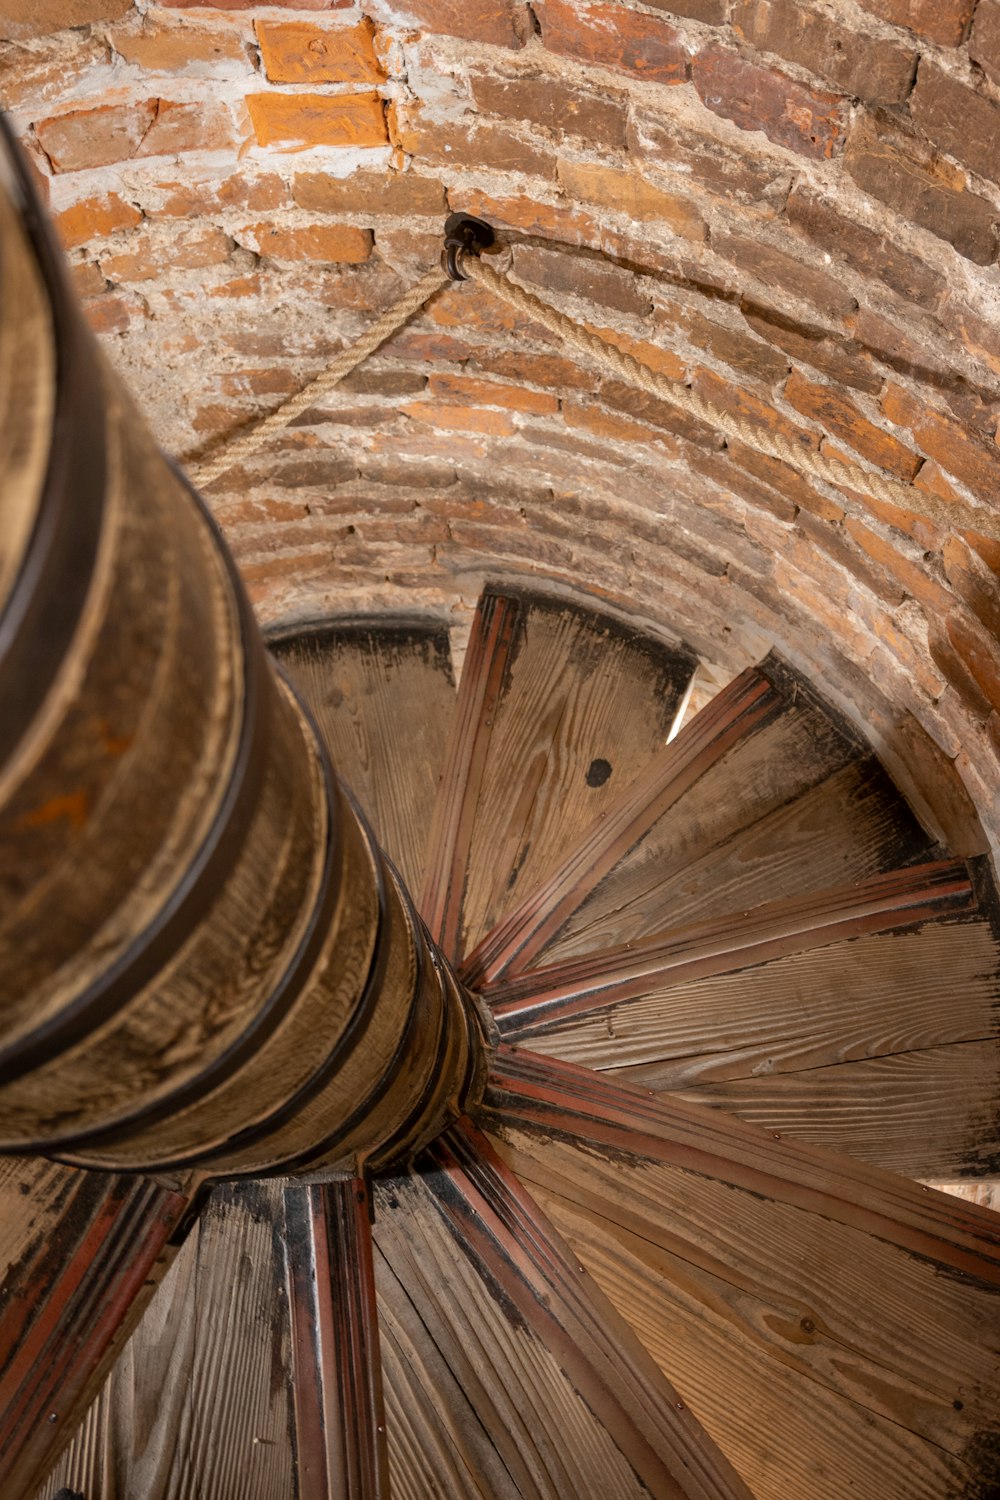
(826, 1346)
(559, 709)
(382, 694)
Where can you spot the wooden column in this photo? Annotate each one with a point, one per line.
(204, 957)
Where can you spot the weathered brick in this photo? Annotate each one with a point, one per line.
(469, 391)
(599, 118)
(608, 425)
(872, 254)
(190, 198)
(20, 19)
(581, 276)
(954, 670)
(786, 480)
(402, 194)
(551, 221)
(461, 417)
(974, 581)
(972, 461)
(807, 121)
(483, 145)
(611, 36)
(913, 579)
(785, 274)
(958, 119)
(327, 243)
(627, 398)
(253, 4)
(752, 357)
(502, 23)
(87, 278)
(841, 360)
(979, 651)
(550, 371)
(740, 402)
(176, 128)
(984, 43)
(869, 65)
(838, 415)
(95, 137)
(891, 167)
(92, 218)
(712, 12)
(296, 52)
(162, 46)
(698, 156)
(151, 255)
(632, 194)
(943, 21)
(294, 121)
(718, 468)
(663, 361)
(114, 313)
(35, 77)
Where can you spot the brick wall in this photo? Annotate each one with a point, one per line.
(790, 204)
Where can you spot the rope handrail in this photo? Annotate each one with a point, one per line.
(468, 265)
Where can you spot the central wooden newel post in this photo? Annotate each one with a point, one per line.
(205, 959)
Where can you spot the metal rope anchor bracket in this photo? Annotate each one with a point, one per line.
(464, 235)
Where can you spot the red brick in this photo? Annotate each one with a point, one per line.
(969, 458)
(327, 243)
(842, 361)
(20, 19)
(958, 119)
(295, 121)
(85, 138)
(502, 23)
(402, 194)
(150, 255)
(893, 168)
(838, 415)
(599, 118)
(582, 276)
(92, 218)
(696, 156)
(188, 127)
(609, 35)
(483, 145)
(297, 52)
(866, 64)
(943, 21)
(783, 274)
(807, 121)
(984, 43)
(874, 255)
(162, 46)
(632, 194)
(468, 391)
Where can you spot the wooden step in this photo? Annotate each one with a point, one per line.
(765, 792)
(382, 694)
(864, 1019)
(508, 1374)
(559, 709)
(836, 1329)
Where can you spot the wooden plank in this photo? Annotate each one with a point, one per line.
(382, 694)
(340, 1441)
(555, 1380)
(560, 708)
(198, 1402)
(66, 1304)
(739, 713)
(826, 1351)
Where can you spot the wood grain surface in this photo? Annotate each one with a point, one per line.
(198, 1404)
(559, 710)
(551, 1378)
(382, 694)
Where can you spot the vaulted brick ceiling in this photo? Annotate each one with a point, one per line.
(790, 204)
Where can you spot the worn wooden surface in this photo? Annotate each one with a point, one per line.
(382, 693)
(199, 1402)
(559, 710)
(340, 1437)
(844, 1338)
(473, 1279)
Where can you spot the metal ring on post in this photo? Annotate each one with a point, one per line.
(464, 235)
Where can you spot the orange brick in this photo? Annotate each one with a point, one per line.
(838, 414)
(321, 242)
(149, 256)
(632, 194)
(955, 447)
(606, 424)
(402, 193)
(93, 217)
(188, 127)
(163, 47)
(296, 52)
(490, 393)
(663, 361)
(26, 18)
(464, 418)
(295, 121)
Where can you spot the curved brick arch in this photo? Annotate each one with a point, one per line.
(793, 207)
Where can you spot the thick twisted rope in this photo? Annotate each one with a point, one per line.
(614, 361)
(233, 450)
